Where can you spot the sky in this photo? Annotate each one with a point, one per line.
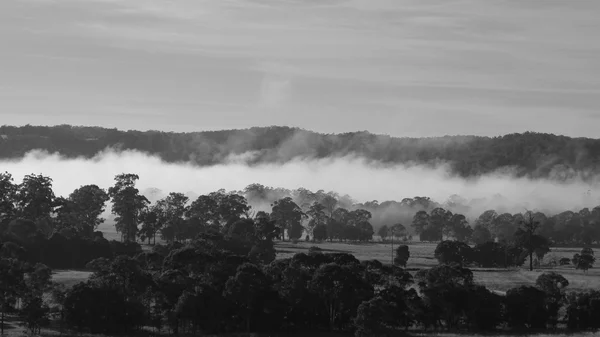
(397, 67)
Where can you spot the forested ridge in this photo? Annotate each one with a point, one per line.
(529, 154)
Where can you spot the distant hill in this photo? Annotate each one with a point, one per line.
(529, 154)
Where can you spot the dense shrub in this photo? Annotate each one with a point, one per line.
(454, 252)
(583, 310)
(99, 308)
(493, 254)
(526, 308)
(402, 255)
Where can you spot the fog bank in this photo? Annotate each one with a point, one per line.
(362, 180)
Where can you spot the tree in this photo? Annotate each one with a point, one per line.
(266, 229)
(372, 316)
(440, 221)
(339, 288)
(205, 211)
(585, 260)
(11, 285)
(527, 238)
(35, 313)
(320, 232)
(107, 310)
(263, 252)
(172, 211)
(445, 292)
(82, 209)
(288, 216)
(35, 198)
(420, 221)
(402, 255)
(486, 219)
(453, 252)
(358, 216)
(383, 232)
(459, 228)
(37, 281)
(526, 308)
(335, 229)
(247, 289)
(553, 284)
(317, 215)
(231, 207)
(481, 235)
(484, 308)
(583, 310)
(128, 204)
(329, 202)
(152, 222)
(365, 231)
(8, 192)
(341, 215)
(398, 230)
(505, 225)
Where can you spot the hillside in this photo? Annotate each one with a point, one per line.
(529, 154)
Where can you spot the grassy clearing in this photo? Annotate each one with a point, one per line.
(69, 278)
(421, 256)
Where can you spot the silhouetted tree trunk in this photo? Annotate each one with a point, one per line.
(530, 261)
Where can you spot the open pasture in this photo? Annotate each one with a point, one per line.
(108, 230)
(69, 278)
(421, 256)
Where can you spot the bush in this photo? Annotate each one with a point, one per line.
(453, 252)
(320, 232)
(526, 308)
(492, 254)
(484, 309)
(314, 249)
(106, 309)
(583, 310)
(585, 260)
(564, 261)
(402, 256)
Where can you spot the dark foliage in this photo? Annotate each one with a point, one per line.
(526, 308)
(218, 272)
(526, 153)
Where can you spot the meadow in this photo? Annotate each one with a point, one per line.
(421, 256)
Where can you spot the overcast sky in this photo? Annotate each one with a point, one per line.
(399, 67)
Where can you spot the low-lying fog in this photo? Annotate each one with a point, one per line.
(361, 180)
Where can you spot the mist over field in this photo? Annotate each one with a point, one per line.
(362, 180)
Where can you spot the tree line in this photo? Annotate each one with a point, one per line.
(529, 154)
(31, 213)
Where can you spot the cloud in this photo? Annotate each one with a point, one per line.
(275, 91)
(332, 58)
(362, 180)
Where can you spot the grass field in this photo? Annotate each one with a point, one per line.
(421, 256)
(69, 278)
